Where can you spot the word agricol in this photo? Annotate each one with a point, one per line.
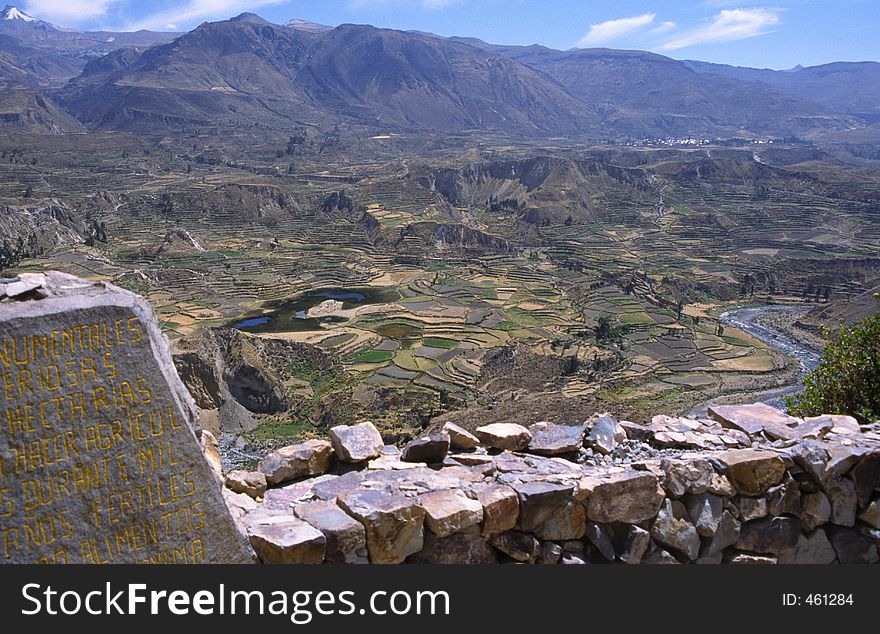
(301, 606)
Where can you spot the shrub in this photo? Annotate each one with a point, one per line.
(847, 380)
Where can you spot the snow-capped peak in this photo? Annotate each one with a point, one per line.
(12, 13)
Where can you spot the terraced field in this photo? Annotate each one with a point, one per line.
(514, 276)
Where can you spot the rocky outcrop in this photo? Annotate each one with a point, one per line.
(235, 377)
(719, 497)
(446, 236)
(340, 205)
(40, 228)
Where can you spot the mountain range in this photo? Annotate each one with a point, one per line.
(249, 72)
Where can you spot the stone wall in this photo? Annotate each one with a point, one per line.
(750, 484)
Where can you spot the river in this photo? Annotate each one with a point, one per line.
(745, 319)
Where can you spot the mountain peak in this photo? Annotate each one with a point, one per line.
(303, 25)
(13, 13)
(251, 18)
(15, 18)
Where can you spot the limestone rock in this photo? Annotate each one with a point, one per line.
(393, 523)
(842, 458)
(726, 534)
(657, 555)
(871, 515)
(815, 510)
(460, 439)
(634, 545)
(550, 553)
(356, 443)
(784, 498)
(769, 535)
(430, 449)
(23, 284)
(569, 559)
(636, 431)
(345, 537)
(814, 429)
(598, 535)
(720, 485)
(749, 559)
(466, 547)
(211, 451)
(566, 522)
(448, 512)
(296, 461)
(604, 434)
(751, 471)
(238, 504)
(472, 459)
(673, 529)
(852, 547)
(538, 501)
(519, 546)
(836, 421)
(841, 493)
(866, 477)
(629, 497)
(811, 548)
(754, 419)
(284, 539)
(509, 436)
(389, 462)
(812, 457)
(500, 508)
(705, 511)
(555, 440)
(751, 508)
(284, 498)
(687, 476)
(252, 483)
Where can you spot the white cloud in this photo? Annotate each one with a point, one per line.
(198, 10)
(68, 11)
(613, 29)
(727, 26)
(664, 27)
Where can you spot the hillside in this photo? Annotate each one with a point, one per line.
(246, 68)
(848, 87)
(655, 95)
(43, 54)
(249, 74)
(25, 109)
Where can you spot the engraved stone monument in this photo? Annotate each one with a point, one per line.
(99, 459)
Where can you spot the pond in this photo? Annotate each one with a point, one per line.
(289, 315)
(407, 334)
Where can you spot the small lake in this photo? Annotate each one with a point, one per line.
(407, 334)
(289, 315)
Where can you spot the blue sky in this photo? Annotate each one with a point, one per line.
(772, 34)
